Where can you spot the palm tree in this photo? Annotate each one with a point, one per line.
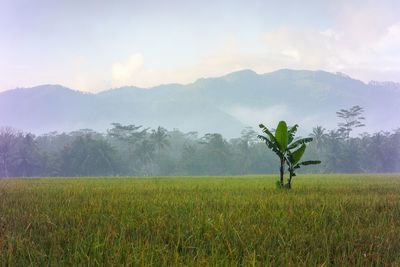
(319, 136)
(159, 138)
(145, 152)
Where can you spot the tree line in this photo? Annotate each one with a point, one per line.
(131, 150)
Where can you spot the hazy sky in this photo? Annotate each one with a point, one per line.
(93, 45)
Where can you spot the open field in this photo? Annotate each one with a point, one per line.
(325, 220)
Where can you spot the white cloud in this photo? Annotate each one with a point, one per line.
(284, 48)
(363, 42)
(224, 59)
(127, 71)
(331, 50)
(360, 38)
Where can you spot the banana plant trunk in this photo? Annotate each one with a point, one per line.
(282, 172)
(289, 184)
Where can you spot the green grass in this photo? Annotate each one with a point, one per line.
(325, 220)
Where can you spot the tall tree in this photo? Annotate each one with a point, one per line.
(319, 136)
(8, 141)
(127, 133)
(27, 155)
(248, 135)
(88, 157)
(333, 148)
(244, 148)
(215, 154)
(352, 118)
(159, 138)
(126, 138)
(145, 154)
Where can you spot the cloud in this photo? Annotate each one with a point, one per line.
(127, 71)
(221, 60)
(360, 38)
(332, 50)
(286, 47)
(362, 41)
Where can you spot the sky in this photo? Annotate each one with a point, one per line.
(93, 45)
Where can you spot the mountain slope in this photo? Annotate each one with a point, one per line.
(223, 104)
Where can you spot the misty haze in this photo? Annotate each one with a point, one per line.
(199, 133)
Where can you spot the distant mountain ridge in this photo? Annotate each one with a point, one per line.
(223, 104)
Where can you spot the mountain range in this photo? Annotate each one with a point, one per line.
(224, 104)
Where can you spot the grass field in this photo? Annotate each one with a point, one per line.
(325, 220)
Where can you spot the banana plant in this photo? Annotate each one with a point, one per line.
(293, 160)
(281, 143)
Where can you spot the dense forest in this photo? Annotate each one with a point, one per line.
(127, 150)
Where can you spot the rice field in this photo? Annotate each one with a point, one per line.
(325, 220)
